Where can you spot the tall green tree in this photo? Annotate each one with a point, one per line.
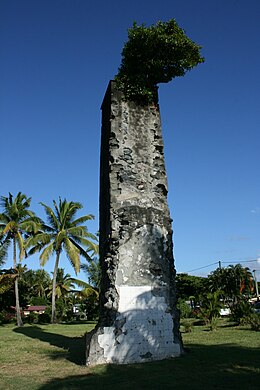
(17, 221)
(63, 232)
(33, 286)
(233, 281)
(190, 287)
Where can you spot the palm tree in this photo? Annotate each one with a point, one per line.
(64, 284)
(66, 291)
(93, 270)
(34, 285)
(63, 233)
(41, 280)
(16, 223)
(244, 278)
(210, 308)
(232, 281)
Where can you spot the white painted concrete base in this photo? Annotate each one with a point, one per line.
(143, 329)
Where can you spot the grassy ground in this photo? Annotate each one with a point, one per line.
(46, 357)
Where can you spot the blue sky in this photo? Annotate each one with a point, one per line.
(57, 57)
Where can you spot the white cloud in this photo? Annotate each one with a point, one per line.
(256, 210)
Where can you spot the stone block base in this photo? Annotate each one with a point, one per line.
(142, 330)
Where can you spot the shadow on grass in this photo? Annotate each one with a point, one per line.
(202, 367)
(73, 347)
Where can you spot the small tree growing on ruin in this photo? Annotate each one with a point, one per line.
(153, 55)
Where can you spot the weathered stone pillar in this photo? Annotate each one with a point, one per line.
(138, 319)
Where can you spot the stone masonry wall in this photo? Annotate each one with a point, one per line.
(138, 319)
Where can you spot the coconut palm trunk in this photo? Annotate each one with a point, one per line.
(16, 289)
(53, 299)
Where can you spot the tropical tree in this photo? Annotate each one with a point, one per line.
(17, 221)
(190, 287)
(33, 286)
(63, 232)
(7, 277)
(233, 281)
(64, 284)
(93, 271)
(210, 308)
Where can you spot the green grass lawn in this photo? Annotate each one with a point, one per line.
(51, 357)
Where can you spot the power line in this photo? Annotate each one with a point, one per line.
(205, 266)
(225, 262)
(237, 262)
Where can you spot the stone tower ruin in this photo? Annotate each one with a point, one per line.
(138, 317)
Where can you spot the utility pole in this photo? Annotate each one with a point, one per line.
(219, 264)
(256, 285)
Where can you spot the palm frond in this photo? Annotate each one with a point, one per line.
(7, 278)
(83, 219)
(11, 226)
(80, 283)
(30, 225)
(73, 254)
(68, 211)
(60, 238)
(46, 253)
(77, 231)
(91, 246)
(89, 291)
(82, 251)
(51, 217)
(20, 243)
(4, 219)
(40, 238)
(4, 245)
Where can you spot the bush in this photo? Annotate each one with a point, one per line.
(254, 321)
(152, 55)
(210, 309)
(241, 311)
(33, 318)
(188, 326)
(1, 318)
(184, 308)
(7, 317)
(213, 325)
(44, 318)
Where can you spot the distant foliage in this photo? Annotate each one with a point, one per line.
(93, 270)
(187, 326)
(191, 287)
(233, 281)
(184, 308)
(241, 311)
(254, 321)
(153, 55)
(44, 318)
(210, 309)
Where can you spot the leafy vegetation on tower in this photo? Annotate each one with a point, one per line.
(153, 55)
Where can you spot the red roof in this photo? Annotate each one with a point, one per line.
(35, 308)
